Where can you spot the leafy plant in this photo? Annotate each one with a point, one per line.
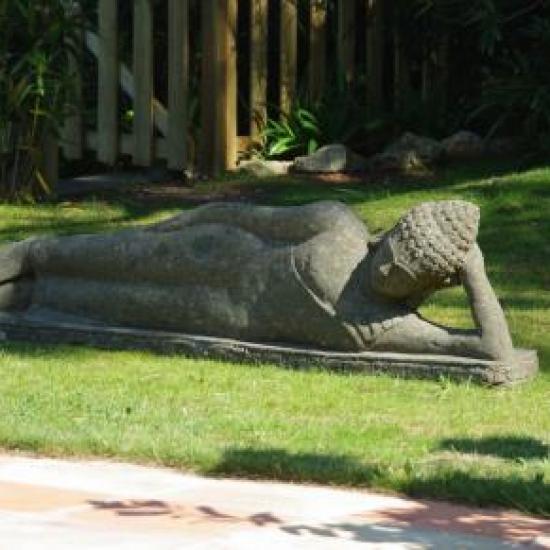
(35, 87)
(516, 93)
(297, 132)
(335, 118)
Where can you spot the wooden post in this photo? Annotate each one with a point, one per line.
(346, 38)
(228, 99)
(375, 55)
(107, 109)
(127, 84)
(258, 65)
(318, 46)
(209, 83)
(73, 129)
(219, 86)
(178, 83)
(143, 79)
(289, 53)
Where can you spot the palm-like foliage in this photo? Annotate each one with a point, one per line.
(35, 87)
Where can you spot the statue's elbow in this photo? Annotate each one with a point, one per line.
(498, 348)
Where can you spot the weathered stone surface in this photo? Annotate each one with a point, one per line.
(522, 366)
(428, 150)
(331, 158)
(265, 168)
(405, 162)
(308, 276)
(463, 145)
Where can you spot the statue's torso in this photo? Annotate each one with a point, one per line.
(219, 280)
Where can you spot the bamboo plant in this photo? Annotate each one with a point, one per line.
(37, 38)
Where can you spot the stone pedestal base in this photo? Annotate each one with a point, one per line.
(15, 327)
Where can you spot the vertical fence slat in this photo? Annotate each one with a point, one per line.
(143, 80)
(219, 86)
(228, 107)
(73, 129)
(289, 53)
(375, 54)
(258, 65)
(346, 38)
(107, 108)
(318, 45)
(178, 83)
(209, 84)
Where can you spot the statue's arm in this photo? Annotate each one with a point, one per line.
(293, 224)
(486, 309)
(490, 340)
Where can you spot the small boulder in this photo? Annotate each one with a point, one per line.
(330, 159)
(265, 168)
(429, 151)
(463, 145)
(405, 162)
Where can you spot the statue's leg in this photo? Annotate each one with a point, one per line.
(108, 255)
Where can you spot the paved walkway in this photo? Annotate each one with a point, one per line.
(53, 504)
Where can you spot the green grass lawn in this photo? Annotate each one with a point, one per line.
(429, 438)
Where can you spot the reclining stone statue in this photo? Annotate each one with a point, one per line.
(305, 275)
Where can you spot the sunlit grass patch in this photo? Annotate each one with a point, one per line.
(430, 438)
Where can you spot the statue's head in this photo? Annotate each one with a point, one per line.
(425, 250)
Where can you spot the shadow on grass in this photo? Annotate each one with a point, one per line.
(521, 302)
(510, 447)
(437, 482)
(530, 495)
(17, 231)
(282, 465)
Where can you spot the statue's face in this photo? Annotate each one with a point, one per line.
(388, 277)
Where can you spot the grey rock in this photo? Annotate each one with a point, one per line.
(428, 150)
(261, 168)
(330, 159)
(307, 276)
(463, 145)
(406, 162)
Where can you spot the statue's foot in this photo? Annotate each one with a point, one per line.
(16, 283)
(14, 262)
(16, 296)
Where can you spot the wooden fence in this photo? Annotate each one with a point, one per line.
(160, 131)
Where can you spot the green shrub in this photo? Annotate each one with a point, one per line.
(35, 87)
(337, 117)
